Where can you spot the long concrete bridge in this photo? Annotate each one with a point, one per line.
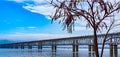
(73, 41)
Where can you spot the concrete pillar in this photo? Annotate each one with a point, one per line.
(29, 46)
(93, 51)
(16, 46)
(75, 46)
(115, 51)
(75, 54)
(111, 50)
(89, 50)
(54, 48)
(22, 46)
(11, 46)
(39, 46)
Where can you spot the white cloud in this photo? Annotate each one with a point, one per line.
(31, 27)
(78, 28)
(18, 1)
(39, 1)
(38, 6)
(41, 9)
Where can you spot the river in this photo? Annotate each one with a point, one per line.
(47, 52)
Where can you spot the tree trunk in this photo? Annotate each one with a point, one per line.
(96, 44)
(102, 48)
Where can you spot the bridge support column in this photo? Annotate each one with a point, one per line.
(29, 46)
(54, 47)
(111, 50)
(91, 51)
(39, 46)
(16, 46)
(115, 51)
(11, 46)
(75, 46)
(22, 46)
(75, 54)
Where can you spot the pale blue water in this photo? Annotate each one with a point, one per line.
(46, 52)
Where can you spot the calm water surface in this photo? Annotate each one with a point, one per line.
(47, 52)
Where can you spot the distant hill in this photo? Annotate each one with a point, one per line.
(6, 41)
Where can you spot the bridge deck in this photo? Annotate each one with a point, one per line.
(78, 40)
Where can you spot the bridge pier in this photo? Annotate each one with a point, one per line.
(54, 48)
(115, 51)
(16, 46)
(111, 50)
(22, 46)
(75, 50)
(29, 46)
(40, 46)
(75, 54)
(75, 46)
(12, 46)
(91, 50)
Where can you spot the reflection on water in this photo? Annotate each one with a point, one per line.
(47, 52)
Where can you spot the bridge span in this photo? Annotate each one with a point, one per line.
(113, 40)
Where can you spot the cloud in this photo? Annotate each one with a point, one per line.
(37, 6)
(18, 1)
(41, 9)
(27, 29)
(31, 27)
(39, 1)
(79, 28)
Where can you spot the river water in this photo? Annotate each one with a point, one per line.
(47, 52)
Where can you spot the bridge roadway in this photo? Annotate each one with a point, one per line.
(74, 41)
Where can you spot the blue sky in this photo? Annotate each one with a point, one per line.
(14, 16)
(28, 20)
(17, 22)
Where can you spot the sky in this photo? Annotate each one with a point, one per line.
(28, 20)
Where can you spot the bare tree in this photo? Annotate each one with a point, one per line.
(95, 12)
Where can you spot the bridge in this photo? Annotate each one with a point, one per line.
(113, 41)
